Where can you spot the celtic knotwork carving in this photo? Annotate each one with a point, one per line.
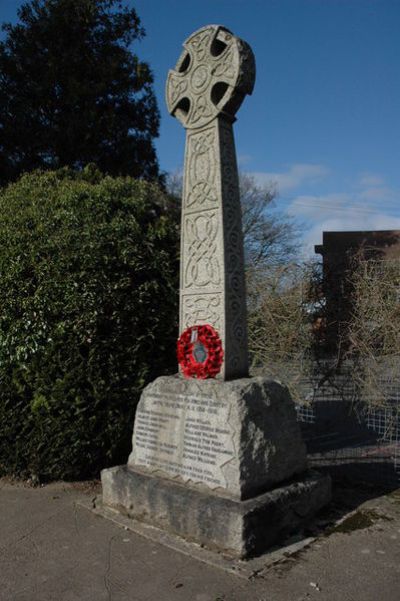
(199, 78)
(200, 42)
(202, 159)
(202, 265)
(225, 69)
(202, 309)
(202, 111)
(229, 172)
(201, 169)
(201, 193)
(178, 88)
(237, 333)
(212, 76)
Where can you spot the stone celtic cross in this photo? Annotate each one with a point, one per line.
(215, 462)
(211, 78)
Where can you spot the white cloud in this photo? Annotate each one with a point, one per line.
(297, 175)
(348, 222)
(371, 205)
(317, 207)
(379, 194)
(244, 159)
(372, 187)
(344, 212)
(368, 204)
(370, 179)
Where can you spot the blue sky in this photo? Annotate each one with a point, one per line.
(323, 122)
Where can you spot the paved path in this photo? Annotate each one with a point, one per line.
(53, 549)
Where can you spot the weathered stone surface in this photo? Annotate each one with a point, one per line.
(239, 438)
(212, 76)
(207, 454)
(243, 528)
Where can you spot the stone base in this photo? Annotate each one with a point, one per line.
(238, 438)
(241, 528)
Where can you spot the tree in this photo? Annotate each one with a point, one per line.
(373, 331)
(281, 336)
(270, 237)
(73, 93)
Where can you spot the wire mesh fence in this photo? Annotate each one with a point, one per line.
(337, 348)
(348, 434)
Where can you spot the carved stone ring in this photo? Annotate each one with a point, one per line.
(212, 76)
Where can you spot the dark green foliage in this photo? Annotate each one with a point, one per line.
(88, 306)
(72, 92)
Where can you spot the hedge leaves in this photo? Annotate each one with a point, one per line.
(88, 308)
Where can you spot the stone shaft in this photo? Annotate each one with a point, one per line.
(212, 288)
(212, 76)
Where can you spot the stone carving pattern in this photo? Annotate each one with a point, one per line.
(212, 272)
(178, 89)
(199, 70)
(201, 309)
(201, 256)
(200, 42)
(201, 171)
(236, 334)
(201, 250)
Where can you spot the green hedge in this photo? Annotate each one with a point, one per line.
(88, 308)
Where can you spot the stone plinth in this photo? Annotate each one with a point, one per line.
(219, 463)
(238, 438)
(240, 528)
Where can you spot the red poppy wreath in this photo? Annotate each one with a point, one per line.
(199, 352)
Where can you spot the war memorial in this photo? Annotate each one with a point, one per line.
(217, 456)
